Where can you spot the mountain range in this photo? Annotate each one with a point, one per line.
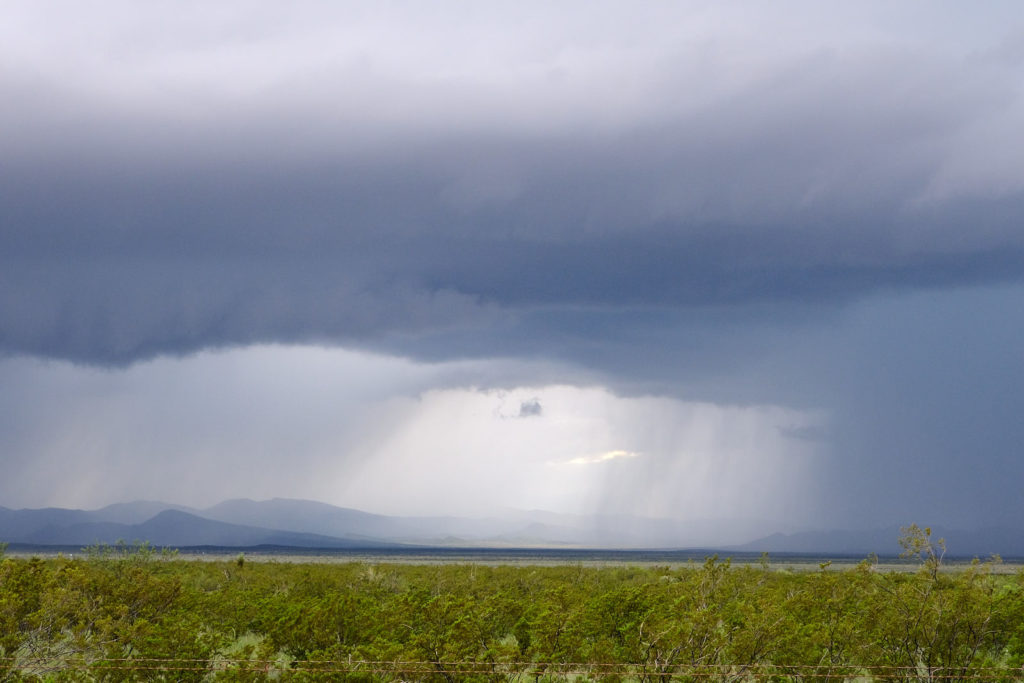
(308, 524)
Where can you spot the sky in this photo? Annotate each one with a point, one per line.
(695, 260)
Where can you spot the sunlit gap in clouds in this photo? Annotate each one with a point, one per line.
(601, 457)
(389, 435)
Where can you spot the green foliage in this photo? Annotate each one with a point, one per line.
(128, 613)
(917, 544)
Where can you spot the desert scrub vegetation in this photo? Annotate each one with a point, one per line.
(132, 614)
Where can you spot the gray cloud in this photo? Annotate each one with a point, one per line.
(715, 202)
(531, 408)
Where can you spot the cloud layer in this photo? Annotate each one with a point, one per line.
(706, 201)
(179, 179)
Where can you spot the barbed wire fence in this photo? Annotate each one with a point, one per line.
(513, 670)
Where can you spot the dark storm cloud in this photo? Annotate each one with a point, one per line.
(172, 257)
(819, 207)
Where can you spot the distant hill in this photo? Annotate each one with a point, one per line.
(883, 541)
(245, 522)
(510, 528)
(136, 512)
(169, 527)
(17, 525)
(176, 528)
(305, 516)
(310, 524)
(979, 543)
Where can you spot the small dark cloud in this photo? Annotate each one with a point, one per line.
(530, 408)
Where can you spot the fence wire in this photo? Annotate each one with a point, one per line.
(513, 669)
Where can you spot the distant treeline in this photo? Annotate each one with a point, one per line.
(133, 614)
